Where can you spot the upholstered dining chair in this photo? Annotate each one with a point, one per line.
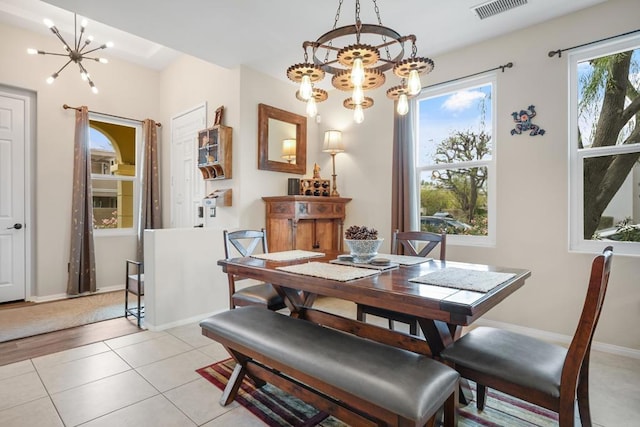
(243, 243)
(404, 242)
(544, 374)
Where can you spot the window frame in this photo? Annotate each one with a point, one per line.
(576, 241)
(440, 89)
(130, 231)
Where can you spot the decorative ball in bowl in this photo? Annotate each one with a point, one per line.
(363, 243)
(363, 251)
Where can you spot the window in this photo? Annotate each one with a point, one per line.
(114, 174)
(455, 160)
(605, 147)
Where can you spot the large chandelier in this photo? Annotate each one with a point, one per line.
(76, 53)
(359, 65)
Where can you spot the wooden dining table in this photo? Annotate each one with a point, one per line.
(441, 311)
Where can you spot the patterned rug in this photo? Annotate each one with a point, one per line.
(277, 408)
(39, 318)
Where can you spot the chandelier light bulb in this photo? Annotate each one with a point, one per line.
(103, 60)
(94, 89)
(403, 104)
(358, 114)
(414, 86)
(358, 95)
(357, 72)
(109, 44)
(84, 76)
(83, 23)
(312, 107)
(48, 22)
(306, 90)
(52, 77)
(32, 51)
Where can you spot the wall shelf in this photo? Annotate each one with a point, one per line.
(214, 152)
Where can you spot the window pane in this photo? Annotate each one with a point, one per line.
(455, 126)
(103, 155)
(454, 200)
(612, 197)
(597, 119)
(112, 203)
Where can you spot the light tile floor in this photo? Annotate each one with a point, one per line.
(149, 379)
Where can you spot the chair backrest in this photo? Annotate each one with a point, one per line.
(244, 242)
(406, 239)
(578, 353)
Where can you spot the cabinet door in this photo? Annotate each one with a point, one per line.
(316, 234)
(326, 234)
(279, 234)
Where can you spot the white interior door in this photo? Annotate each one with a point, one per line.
(186, 189)
(13, 110)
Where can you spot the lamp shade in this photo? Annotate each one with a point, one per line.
(289, 149)
(333, 142)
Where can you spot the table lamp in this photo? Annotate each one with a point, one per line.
(289, 149)
(333, 145)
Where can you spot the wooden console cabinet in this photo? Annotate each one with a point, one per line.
(305, 222)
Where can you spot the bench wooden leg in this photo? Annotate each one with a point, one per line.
(233, 385)
(451, 410)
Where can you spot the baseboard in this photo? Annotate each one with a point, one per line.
(559, 338)
(57, 297)
(181, 322)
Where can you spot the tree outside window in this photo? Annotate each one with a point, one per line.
(605, 168)
(455, 161)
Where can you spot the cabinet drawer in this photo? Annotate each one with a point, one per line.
(281, 209)
(319, 210)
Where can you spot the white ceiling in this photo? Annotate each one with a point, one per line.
(267, 35)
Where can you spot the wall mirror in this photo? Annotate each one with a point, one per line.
(282, 140)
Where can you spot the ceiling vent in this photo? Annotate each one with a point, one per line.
(495, 7)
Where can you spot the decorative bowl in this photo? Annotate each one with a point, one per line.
(363, 251)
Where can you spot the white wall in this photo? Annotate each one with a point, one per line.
(125, 90)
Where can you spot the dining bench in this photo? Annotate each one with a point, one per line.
(360, 381)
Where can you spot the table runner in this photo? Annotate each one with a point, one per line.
(364, 265)
(288, 255)
(404, 259)
(341, 273)
(460, 278)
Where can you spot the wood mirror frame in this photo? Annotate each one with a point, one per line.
(299, 166)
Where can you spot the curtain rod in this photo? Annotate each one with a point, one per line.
(558, 52)
(66, 107)
(499, 67)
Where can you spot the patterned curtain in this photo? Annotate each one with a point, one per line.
(404, 197)
(150, 206)
(82, 264)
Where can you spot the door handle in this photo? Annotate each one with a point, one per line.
(17, 226)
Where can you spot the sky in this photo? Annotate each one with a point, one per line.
(443, 114)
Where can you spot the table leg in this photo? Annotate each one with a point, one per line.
(440, 335)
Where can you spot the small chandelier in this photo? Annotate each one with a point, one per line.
(359, 65)
(75, 53)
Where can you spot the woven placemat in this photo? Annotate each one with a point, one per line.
(460, 278)
(341, 273)
(288, 255)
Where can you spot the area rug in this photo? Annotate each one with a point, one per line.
(277, 408)
(40, 318)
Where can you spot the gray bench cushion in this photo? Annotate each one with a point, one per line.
(516, 358)
(400, 381)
